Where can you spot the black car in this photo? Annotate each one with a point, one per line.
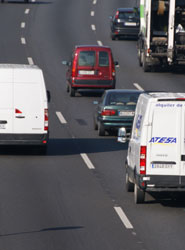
(126, 22)
(116, 109)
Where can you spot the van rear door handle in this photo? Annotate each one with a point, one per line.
(3, 122)
(20, 117)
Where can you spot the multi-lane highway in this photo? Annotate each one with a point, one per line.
(74, 197)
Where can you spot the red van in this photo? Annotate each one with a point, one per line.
(91, 67)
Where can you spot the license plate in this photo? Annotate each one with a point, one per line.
(86, 72)
(2, 126)
(130, 24)
(126, 113)
(162, 166)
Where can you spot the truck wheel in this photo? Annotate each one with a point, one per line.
(139, 58)
(129, 185)
(101, 130)
(72, 92)
(146, 68)
(139, 195)
(2, 1)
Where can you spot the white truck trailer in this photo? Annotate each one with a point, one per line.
(162, 33)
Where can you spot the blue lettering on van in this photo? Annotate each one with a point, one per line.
(163, 140)
(138, 122)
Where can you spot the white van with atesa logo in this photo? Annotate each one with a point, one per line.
(23, 106)
(156, 150)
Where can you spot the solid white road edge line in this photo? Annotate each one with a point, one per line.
(123, 217)
(30, 61)
(99, 43)
(23, 40)
(61, 118)
(93, 27)
(27, 11)
(92, 13)
(87, 161)
(138, 86)
(23, 25)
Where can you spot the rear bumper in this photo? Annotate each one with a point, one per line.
(130, 31)
(24, 139)
(93, 84)
(113, 124)
(162, 183)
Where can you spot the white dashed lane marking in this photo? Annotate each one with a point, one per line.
(61, 118)
(30, 61)
(87, 161)
(138, 86)
(27, 11)
(23, 40)
(94, 2)
(99, 43)
(93, 27)
(23, 25)
(92, 13)
(123, 217)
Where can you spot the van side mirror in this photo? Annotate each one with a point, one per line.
(66, 63)
(122, 135)
(48, 96)
(116, 64)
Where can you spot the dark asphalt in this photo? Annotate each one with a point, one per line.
(55, 201)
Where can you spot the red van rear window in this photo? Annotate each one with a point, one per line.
(87, 58)
(103, 59)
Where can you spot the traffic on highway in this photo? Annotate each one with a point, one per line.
(92, 117)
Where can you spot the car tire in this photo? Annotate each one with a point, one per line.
(139, 58)
(129, 185)
(101, 130)
(2, 1)
(67, 89)
(139, 195)
(72, 92)
(113, 37)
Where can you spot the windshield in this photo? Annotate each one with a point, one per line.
(128, 15)
(125, 99)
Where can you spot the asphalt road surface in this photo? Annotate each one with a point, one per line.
(74, 197)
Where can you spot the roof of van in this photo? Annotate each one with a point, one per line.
(18, 66)
(91, 46)
(19, 73)
(163, 95)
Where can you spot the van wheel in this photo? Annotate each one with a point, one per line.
(67, 89)
(146, 67)
(101, 130)
(139, 58)
(139, 195)
(72, 92)
(129, 185)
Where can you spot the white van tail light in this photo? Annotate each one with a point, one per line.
(17, 111)
(143, 160)
(46, 119)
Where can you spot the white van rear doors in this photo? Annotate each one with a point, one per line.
(165, 138)
(6, 108)
(28, 108)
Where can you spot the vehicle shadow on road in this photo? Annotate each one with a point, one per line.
(43, 230)
(65, 147)
(168, 199)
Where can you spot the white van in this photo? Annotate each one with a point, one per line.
(156, 150)
(23, 106)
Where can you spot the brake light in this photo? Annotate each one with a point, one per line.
(143, 160)
(46, 119)
(108, 112)
(113, 72)
(17, 111)
(117, 15)
(74, 69)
